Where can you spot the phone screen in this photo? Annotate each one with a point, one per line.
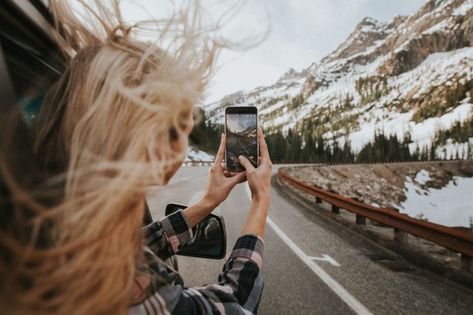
(241, 137)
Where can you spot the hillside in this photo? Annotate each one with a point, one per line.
(433, 191)
(411, 77)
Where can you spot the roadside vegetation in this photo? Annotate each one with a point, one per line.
(292, 147)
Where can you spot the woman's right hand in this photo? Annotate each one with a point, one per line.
(259, 179)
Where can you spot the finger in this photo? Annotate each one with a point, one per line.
(220, 152)
(246, 163)
(263, 147)
(240, 178)
(231, 174)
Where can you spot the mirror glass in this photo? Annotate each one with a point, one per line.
(209, 240)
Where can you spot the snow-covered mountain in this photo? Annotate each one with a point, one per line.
(194, 154)
(412, 75)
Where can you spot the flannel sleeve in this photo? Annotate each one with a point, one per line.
(238, 290)
(167, 236)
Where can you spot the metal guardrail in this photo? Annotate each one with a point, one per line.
(450, 238)
(198, 163)
(209, 163)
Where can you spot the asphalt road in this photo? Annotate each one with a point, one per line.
(311, 267)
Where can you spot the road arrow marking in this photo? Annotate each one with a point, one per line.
(326, 258)
(336, 287)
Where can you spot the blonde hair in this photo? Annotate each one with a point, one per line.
(102, 137)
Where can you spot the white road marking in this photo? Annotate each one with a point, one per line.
(175, 181)
(349, 299)
(326, 258)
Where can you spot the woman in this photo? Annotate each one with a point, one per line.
(116, 122)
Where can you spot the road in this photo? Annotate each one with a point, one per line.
(311, 267)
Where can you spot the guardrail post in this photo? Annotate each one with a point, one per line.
(400, 236)
(467, 263)
(360, 219)
(335, 209)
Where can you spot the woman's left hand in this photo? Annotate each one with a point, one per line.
(220, 183)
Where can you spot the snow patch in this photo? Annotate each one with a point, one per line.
(464, 8)
(422, 177)
(437, 27)
(449, 206)
(453, 150)
(194, 154)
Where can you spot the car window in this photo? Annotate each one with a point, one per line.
(32, 59)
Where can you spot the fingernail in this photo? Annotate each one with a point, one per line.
(240, 157)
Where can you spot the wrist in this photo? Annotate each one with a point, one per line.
(256, 220)
(209, 203)
(198, 211)
(261, 197)
(260, 201)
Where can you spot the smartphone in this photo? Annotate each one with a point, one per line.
(241, 126)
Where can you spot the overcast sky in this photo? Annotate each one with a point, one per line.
(300, 32)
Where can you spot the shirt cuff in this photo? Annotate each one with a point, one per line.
(176, 230)
(250, 247)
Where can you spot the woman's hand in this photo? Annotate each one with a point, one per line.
(259, 179)
(220, 183)
(219, 186)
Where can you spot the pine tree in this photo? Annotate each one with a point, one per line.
(320, 151)
(348, 156)
(432, 154)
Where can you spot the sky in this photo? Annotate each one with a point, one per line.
(296, 34)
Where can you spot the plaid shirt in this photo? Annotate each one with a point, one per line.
(239, 286)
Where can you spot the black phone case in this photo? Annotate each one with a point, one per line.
(230, 166)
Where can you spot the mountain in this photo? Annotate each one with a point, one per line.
(247, 133)
(194, 154)
(411, 77)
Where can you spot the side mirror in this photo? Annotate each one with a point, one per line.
(209, 241)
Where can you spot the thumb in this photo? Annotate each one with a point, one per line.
(240, 178)
(246, 163)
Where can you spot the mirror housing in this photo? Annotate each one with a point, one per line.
(209, 237)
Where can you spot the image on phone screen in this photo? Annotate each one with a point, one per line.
(241, 139)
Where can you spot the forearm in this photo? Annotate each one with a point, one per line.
(198, 211)
(239, 286)
(166, 236)
(256, 220)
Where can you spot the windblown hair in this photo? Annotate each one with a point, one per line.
(71, 210)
